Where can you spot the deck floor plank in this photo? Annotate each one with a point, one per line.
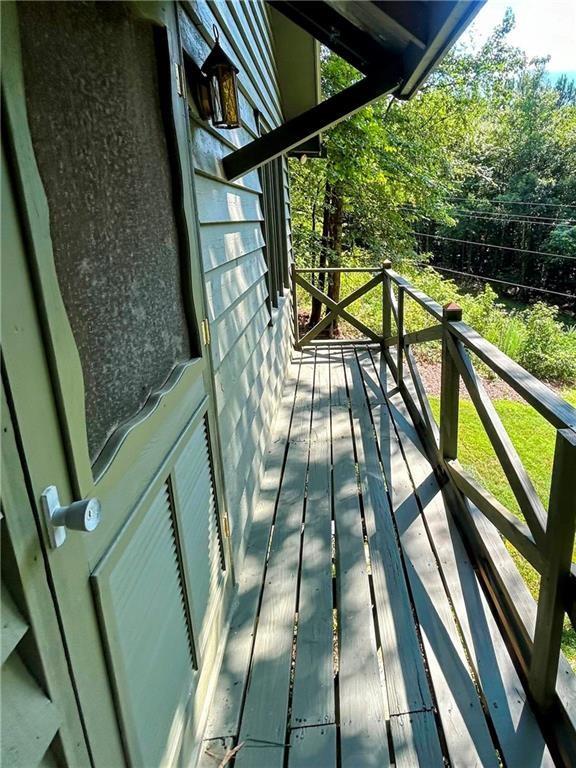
(415, 740)
(407, 684)
(313, 747)
(363, 737)
(263, 727)
(465, 728)
(346, 460)
(224, 715)
(520, 740)
(313, 693)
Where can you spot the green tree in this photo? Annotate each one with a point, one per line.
(487, 130)
(385, 166)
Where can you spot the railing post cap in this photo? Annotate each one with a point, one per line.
(452, 311)
(386, 264)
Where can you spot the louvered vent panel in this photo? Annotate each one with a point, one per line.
(141, 598)
(198, 522)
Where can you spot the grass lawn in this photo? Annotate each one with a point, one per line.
(534, 439)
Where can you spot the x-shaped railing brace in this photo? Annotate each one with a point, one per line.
(337, 309)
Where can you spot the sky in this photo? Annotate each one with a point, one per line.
(543, 27)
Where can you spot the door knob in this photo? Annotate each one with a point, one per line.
(81, 515)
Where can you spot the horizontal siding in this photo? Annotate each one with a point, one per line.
(249, 352)
(244, 434)
(209, 149)
(221, 203)
(231, 370)
(229, 328)
(244, 395)
(229, 242)
(247, 50)
(29, 719)
(254, 19)
(224, 284)
(251, 486)
(13, 625)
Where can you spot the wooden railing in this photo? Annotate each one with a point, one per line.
(336, 309)
(546, 539)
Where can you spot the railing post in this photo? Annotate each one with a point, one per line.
(560, 529)
(386, 304)
(449, 389)
(295, 308)
(400, 345)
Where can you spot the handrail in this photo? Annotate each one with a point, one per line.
(550, 405)
(546, 540)
(431, 306)
(316, 270)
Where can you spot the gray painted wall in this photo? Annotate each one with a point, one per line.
(249, 349)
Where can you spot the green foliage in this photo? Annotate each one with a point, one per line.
(547, 350)
(534, 337)
(561, 240)
(383, 158)
(489, 129)
(523, 149)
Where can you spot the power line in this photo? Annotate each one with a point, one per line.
(493, 245)
(520, 202)
(519, 216)
(515, 214)
(496, 280)
(505, 217)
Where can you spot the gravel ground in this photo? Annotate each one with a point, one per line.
(496, 388)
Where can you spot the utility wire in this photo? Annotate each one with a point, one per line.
(496, 280)
(513, 214)
(504, 218)
(520, 202)
(493, 245)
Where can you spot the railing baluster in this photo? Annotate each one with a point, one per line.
(400, 345)
(560, 531)
(449, 388)
(386, 304)
(295, 308)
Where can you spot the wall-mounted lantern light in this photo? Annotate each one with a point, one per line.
(218, 92)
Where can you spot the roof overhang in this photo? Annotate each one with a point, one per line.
(395, 45)
(297, 55)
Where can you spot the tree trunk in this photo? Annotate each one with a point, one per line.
(330, 253)
(335, 252)
(316, 311)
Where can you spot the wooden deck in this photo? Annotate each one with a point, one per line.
(361, 636)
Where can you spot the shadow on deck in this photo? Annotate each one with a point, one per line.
(362, 636)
